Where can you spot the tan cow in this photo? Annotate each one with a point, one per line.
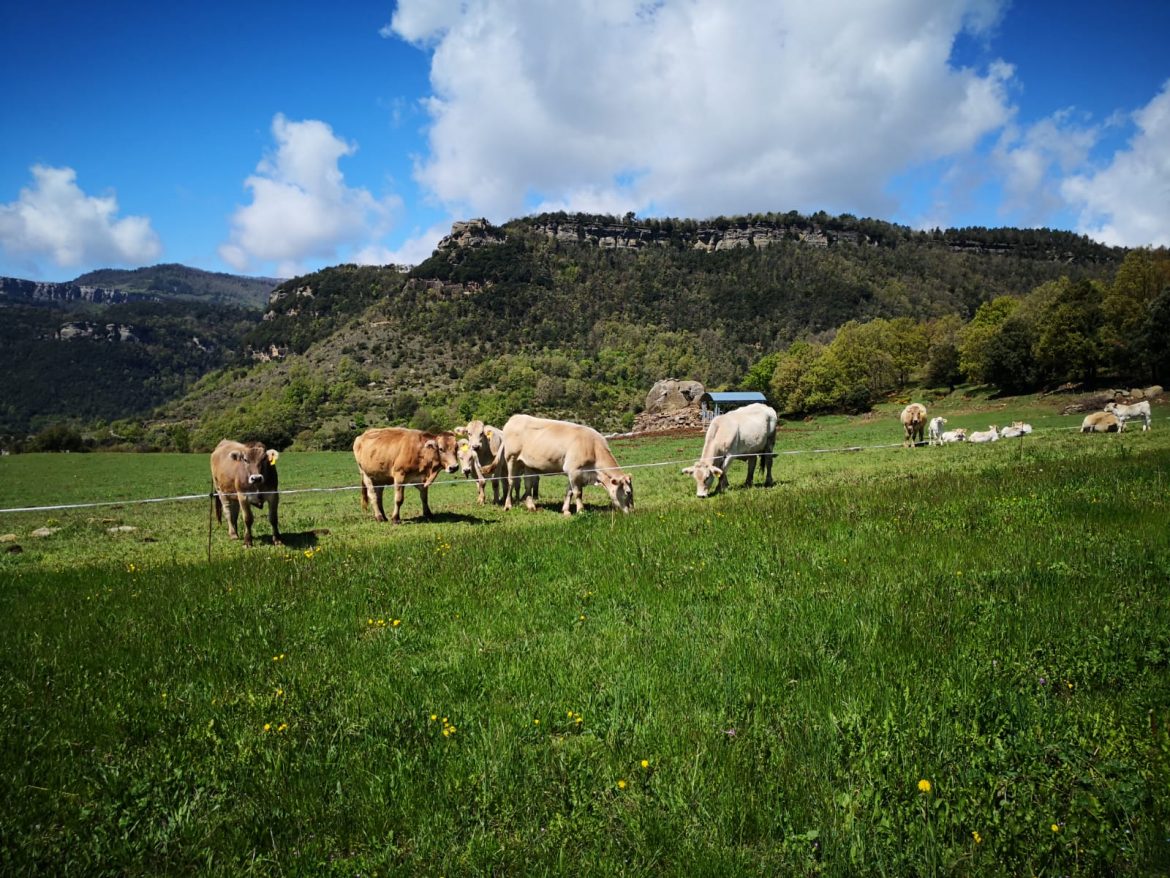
(245, 475)
(1101, 422)
(401, 457)
(533, 446)
(914, 423)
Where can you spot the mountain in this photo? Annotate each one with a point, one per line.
(116, 344)
(577, 316)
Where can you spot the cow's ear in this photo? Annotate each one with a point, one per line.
(273, 456)
(431, 443)
(689, 471)
(715, 471)
(235, 455)
(488, 433)
(460, 431)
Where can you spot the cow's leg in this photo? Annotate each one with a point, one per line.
(247, 523)
(399, 496)
(379, 511)
(723, 465)
(751, 476)
(511, 486)
(766, 461)
(233, 506)
(479, 485)
(422, 492)
(273, 502)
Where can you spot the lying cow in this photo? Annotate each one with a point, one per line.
(1101, 422)
(245, 475)
(748, 432)
(989, 435)
(914, 423)
(1125, 413)
(401, 457)
(936, 431)
(538, 445)
(1015, 431)
(958, 434)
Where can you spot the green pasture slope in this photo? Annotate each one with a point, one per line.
(933, 661)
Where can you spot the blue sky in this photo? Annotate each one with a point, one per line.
(266, 140)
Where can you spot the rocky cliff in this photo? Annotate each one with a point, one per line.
(35, 291)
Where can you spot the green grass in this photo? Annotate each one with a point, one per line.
(789, 662)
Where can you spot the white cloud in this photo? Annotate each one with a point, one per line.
(1127, 203)
(415, 249)
(301, 207)
(692, 107)
(1031, 163)
(55, 220)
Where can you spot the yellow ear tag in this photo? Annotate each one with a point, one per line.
(462, 443)
(488, 433)
(272, 456)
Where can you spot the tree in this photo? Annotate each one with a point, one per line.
(975, 339)
(1010, 364)
(1067, 345)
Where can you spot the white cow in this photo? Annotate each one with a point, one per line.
(1125, 413)
(1015, 431)
(936, 429)
(956, 435)
(989, 435)
(533, 446)
(748, 432)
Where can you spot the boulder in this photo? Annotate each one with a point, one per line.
(671, 394)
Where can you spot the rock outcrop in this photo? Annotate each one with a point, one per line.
(671, 394)
(35, 291)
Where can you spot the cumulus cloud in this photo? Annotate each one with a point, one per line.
(1127, 203)
(415, 249)
(694, 108)
(301, 207)
(54, 219)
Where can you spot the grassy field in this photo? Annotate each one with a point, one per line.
(934, 661)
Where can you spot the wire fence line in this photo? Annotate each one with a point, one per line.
(180, 498)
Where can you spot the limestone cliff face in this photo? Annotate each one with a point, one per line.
(101, 331)
(472, 233)
(35, 291)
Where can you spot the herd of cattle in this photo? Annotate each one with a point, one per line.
(515, 457)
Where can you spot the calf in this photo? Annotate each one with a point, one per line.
(989, 435)
(1125, 413)
(956, 435)
(1101, 422)
(401, 457)
(245, 475)
(936, 429)
(1015, 431)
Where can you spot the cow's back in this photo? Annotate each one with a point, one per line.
(378, 450)
(546, 445)
(747, 430)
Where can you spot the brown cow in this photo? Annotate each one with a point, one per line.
(535, 446)
(914, 423)
(401, 457)
(1101, 422)
(245, 475)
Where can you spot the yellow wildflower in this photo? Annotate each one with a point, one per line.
(1056, 827)
(924, 786)
(978, 838)
(397, 622)
(621, 785)
(267, 726)
(645, 763)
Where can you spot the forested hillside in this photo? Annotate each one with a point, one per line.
(577, 316)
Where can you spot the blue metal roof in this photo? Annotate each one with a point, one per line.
(736, 396)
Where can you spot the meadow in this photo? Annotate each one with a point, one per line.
(931, 661)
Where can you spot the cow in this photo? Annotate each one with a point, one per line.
(989, 435)
(936, 430)
(1101, 422)
(401, 456)
(244, 474)
(1125, 413)
(748, 432)
(478, 447)
(914, 423)
(1015, 431)
(956, 435)
(534, 446)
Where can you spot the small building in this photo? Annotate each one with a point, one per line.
(712, 404)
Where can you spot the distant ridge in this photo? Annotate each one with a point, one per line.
(174, 281)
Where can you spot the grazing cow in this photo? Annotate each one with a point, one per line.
(1125, 413)
(539, 445)
(401, 457)
(914, 423)
(989, 435)
(936, 429)
(1101, 422)
(748, 432)
(1015, 431)
(956, 435)
(245, 475)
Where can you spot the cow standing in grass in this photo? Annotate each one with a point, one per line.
(748, 432)
(245, 475)
(914, 423)
(936, 430)
(533, 446)
(1125, 413)
(400, 456)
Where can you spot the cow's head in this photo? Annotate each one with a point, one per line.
(448, 447)
(961, 432)
(466, 456)
(258, 469)
(478, 435)
(620, 487)
(707, 478)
